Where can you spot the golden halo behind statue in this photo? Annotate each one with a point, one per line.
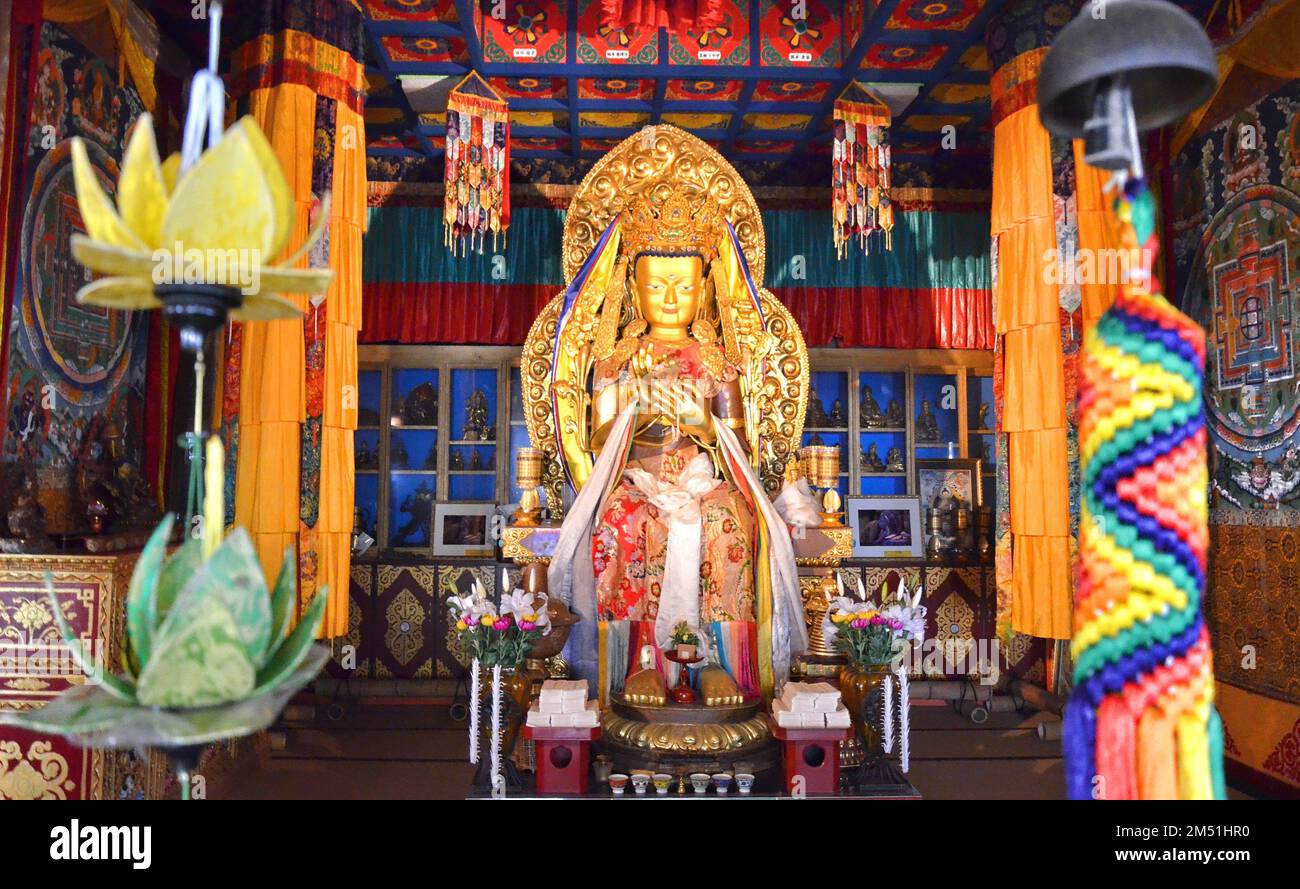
(660, 157)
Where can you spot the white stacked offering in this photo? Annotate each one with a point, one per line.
(810, 705)
(563, 703)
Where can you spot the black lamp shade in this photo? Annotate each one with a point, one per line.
(1157, 49)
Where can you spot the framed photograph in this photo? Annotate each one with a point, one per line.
(463, 529)
(959, 477)
(885, 527)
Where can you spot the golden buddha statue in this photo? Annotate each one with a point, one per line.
(677, 389)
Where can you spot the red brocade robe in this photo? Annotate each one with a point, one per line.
(629, 542)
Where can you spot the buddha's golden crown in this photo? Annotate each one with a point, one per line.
(675, 224)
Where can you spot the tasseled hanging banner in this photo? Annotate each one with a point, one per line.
(477, 168)
(1141, 720)
(860, 170)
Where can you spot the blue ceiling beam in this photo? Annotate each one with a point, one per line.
(416, 29)
(571, 56)
(671, 106)
(661, 83)
(715, 73)
(747, 89)
(399, 94)
(465, 13)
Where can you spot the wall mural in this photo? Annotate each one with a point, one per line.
(76, 373)
(1236, 229)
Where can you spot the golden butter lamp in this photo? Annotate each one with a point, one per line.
(827, 459)
(528, 469)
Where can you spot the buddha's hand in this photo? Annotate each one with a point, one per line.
(690, 407)
(680, 405)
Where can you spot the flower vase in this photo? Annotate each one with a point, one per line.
(514, 708)
(862, 687)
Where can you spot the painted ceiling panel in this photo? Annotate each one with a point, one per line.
(616, 88)
(760, 85)
(411, 10)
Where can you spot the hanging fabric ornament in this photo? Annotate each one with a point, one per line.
(1141, 722)
(860, 202)
(477, 166)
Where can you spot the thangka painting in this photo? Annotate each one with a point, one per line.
(76, 372)
(1236, 222)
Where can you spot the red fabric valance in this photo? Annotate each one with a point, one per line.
(892, 317)
(493, 315)
(675, 15)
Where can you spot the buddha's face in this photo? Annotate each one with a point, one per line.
(668, 290)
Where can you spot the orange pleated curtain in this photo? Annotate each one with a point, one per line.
(274, 396)
(1027, 319)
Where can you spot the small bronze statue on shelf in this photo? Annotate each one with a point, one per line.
(894, 461)
(24, 515)
(363, 455)
(837, 414)
(419, 506)
(475, 462)
(420, 406)
(894, 415)
(982, 420)
(431, 458)
(871, 461)
(869, 412)
(134, 504)
(948, 523)
(927, 427)
(457, 462)
(816, 411)
(399, 459)
(104, 473)
(477, 427)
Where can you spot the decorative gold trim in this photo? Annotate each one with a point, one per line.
(513, 548)
(841, 549)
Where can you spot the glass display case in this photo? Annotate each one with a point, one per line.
(902, 405)
(436, 425)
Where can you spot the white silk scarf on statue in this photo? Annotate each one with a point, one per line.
(678, 502)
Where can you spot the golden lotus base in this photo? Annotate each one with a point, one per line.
(684, 738)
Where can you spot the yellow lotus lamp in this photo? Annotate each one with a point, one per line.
(197, 243)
